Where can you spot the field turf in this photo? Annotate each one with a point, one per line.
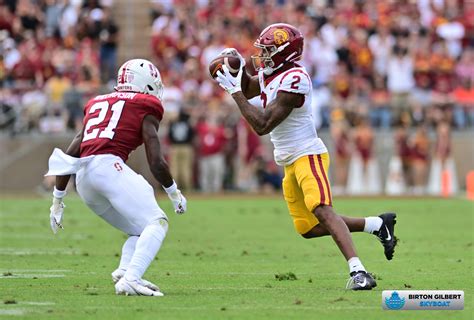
(220, 259)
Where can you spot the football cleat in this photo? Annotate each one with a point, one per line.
(361, 280)
(134, 288)
(119, 273)
(386, 234)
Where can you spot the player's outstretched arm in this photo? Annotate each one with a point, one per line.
(278, 110)
(158, 165)
(57, 209)
(274, 113)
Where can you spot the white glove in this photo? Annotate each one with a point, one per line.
(57, 210)
(177, 198)
(228, 82)
(233, 51)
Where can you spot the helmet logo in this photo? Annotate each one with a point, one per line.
(280, 36)
(153, 71)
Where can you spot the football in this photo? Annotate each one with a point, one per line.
(231, 60)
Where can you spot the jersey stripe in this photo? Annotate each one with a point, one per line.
(294, 70)
(318, 179)
(320, 161)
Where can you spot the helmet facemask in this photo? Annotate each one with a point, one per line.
(264, 61)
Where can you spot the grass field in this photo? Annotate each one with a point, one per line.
(220, 260)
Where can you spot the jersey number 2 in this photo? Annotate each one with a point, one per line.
(108, 132)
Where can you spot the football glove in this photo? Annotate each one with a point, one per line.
(228, 82)
(229, 51)
(57, 210)
(177, 198)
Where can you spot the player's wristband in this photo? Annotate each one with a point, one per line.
(59, 193)
(172, 188)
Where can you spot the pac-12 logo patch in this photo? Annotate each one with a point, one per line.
(280, 36)
(395, 302)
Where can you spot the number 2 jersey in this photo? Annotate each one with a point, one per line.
(113, 122)
(296, 136)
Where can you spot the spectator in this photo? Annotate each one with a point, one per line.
(340, 136)
(400, 80)
(380, 115)
(180, 135)
(381, 44)
(211, 143)
(420, 157)
(108, 47)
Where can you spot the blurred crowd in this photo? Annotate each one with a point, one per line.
(54, 55)
(405, 66)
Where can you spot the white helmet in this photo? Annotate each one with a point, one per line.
(139, 75)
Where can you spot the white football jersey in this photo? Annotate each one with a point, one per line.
(296, 136)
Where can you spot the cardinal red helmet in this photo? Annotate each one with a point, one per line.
(280, 43)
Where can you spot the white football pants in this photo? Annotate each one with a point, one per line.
(118, 194)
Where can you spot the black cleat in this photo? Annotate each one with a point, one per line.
(361, 280)
(386, 234)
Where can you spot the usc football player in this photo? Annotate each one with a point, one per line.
(285, 90)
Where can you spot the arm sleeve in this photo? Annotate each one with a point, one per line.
(295, 81)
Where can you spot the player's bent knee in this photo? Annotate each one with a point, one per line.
(160, 221)
(323, 213)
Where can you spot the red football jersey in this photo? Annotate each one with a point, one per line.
(113, 122)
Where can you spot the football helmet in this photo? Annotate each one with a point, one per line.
(279, 43)
(139, 75)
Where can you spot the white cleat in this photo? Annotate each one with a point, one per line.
(134, 288)
(119, 273)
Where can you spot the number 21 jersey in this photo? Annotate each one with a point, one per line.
(113, 122)
(295, 136)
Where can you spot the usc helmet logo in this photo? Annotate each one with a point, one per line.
(280, 36)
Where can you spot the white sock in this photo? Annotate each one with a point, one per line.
(127, 252)
(372, 224)
(355, 265)
(146, 249)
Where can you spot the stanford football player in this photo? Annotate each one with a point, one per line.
(285, 90)
(115, 124)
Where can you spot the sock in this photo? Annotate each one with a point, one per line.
(127, 252)
(372, 224)
(355, 265)
(146, 249)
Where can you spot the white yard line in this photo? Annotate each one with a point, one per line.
(32, 275)
(37, 303)
(34, 270)
(12, 312)
(31, 251)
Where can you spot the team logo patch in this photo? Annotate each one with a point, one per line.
(280, 36)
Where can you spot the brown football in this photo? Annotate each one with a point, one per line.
(232, 62)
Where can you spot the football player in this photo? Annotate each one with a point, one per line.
(285, 91)
(115, 124)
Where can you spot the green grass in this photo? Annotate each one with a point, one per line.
(220, 261)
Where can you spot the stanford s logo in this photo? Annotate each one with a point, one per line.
(280, 36)
(118, 167)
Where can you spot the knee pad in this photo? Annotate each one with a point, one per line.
(160, 222)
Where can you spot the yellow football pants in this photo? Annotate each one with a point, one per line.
(305, 187)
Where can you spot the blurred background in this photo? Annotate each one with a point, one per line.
(393, 94)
